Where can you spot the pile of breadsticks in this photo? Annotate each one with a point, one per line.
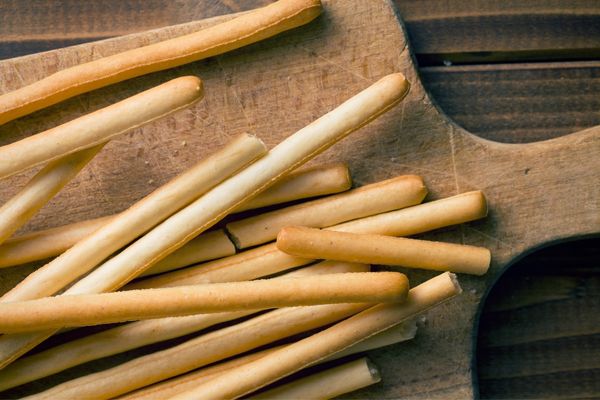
(211, 283)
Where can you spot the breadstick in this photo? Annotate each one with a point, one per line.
(208, 246)
(99, 126)
(267, 259)
(40, 189)
(200, 351)
(246, 29)
(246, 378)
(136, 220)
(380, 249)
(424, 217)
(46, 243)
(173, 386)
(327, 384)
(94, 309)
(137, 334)
(308, 182)
(305, 183)
(391, 194)
(244, 266)
(218, 202)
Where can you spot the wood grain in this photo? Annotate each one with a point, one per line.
(413, 139)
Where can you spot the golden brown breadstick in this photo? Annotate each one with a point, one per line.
(208, 246)
(302, 184)
(200, 351)
(138, 334)
(171, 387)
(40, 189)
(136, 220)
(267, 259)
(238, 32)
(182, 383)
(424, 217)
(218, 202)
(99, 126)
(249, 377)
(327, 384)
(313, 243)
(391, 194)
(247, 265)
(94, 309)
(47, 243)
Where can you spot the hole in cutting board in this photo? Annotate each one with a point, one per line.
(539, 328)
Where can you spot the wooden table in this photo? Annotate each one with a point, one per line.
(507, 71)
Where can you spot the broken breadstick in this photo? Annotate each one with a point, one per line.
(95, 309)
(302, 184)
(309, 182)
(163, 390)
(99, 126)
(249, 377)
(391, 194)
(203, 213)
(380, 249)
(249, 28)
(136, 220)
(40, 189)
(200, 351)
(267, 259)
(137, 334)
(327, 384)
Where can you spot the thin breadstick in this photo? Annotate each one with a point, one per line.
(136, 220)
(134, 335)
(267, 259)
(246, 378)
(396, 334)
(421, 218)
(95, 309)
(308, 182)
(218, 202)
(208, 246)
(391, 194)
(100, 126)
(246, 29)
(40, 189)
(47, 243)
(301, 184)
(201, 351)
(162, 390)
(380, 249)
(244, 266)
(327, 384)
(182, 383)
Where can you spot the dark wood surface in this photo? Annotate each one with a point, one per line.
(513, 78)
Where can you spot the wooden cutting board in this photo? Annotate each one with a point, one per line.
(538, 193)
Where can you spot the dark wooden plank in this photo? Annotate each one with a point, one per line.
(538, 334)
(561, 385)
(518, 102)
(460, 27)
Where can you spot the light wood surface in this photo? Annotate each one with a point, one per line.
(538, 192)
